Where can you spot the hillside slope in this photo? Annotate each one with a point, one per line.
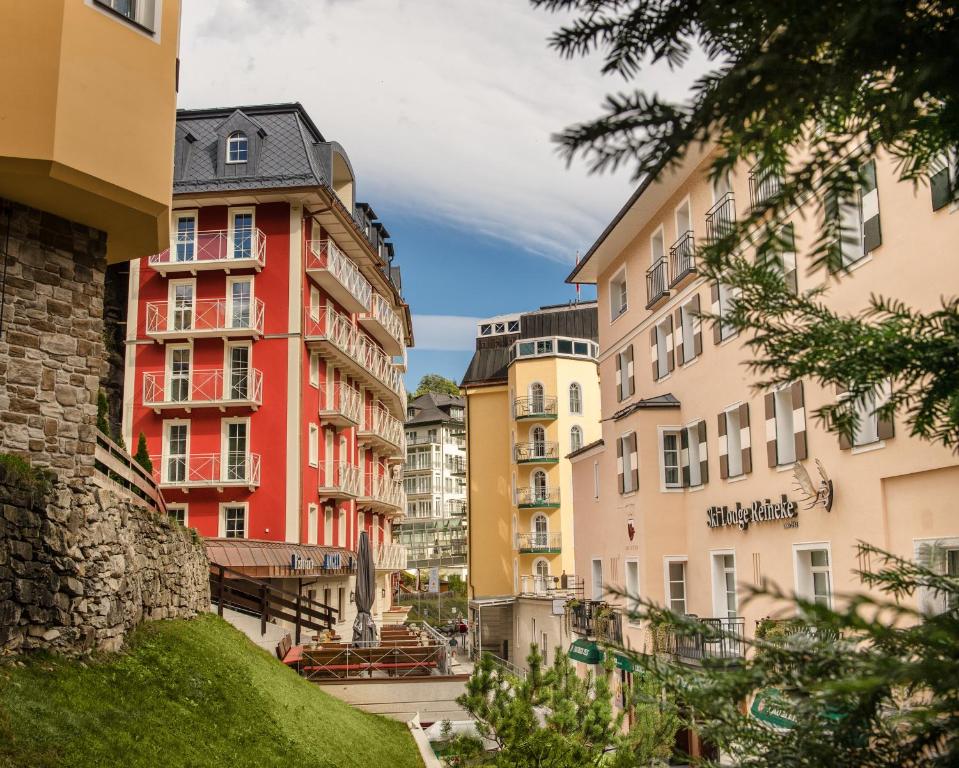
(185, 693)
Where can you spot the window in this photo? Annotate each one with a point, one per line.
(314, 303)
(239, 301)
(312, 524)
(181, 319)
(180, 358)
(676, 586)
(625, 383)
(595, 479)
(234, 521)
(858, 217)
(662, 352)
(314, 445)
(632, 590)
(540, 531)
(238, 362)
(575, 438)
(328, 526)
(575, 398)
(185, 229)
(537, 399)
(778, 253)
(237, 147)
(241, 233)
(538, 439)
(691, 344)
(723, 298)
(314, 369)
(785, 428)
(725, 603)
(942, 179)
(627, 461)
(618, 297)
(177, 459)
(236, 450)
(126, 8)
(540, 488)
(597, 578)
(814, 574)
(178, 512)
(341, 528)
(867, 422)
(141, 13)
(694, 442)
(672, 477)
(734, 448)
(541, 568)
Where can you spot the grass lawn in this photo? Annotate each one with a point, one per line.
(185, 693)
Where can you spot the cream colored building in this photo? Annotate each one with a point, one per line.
(532, 397)
(690, 497)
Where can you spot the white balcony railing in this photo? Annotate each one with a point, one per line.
(330, 327)
(382, 491)
(381, 321)
(340, 404)
(214, 249)
(204, 317)
(204, 388)
(390, 557)
(339, 480)
(381, 426)
(538, 541)
(338, 275)
(207, 470)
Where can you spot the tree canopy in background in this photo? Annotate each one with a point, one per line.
(434, 382)
(809, 92)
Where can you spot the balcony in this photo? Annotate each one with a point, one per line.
(566, 585)
(720, 638)
(657, 282)
(429, 464)
(598, 620)
(339, 481)
(334, 336)
(721, 218)
(456, 465)
(682, 258)
(207, 470)
(538, 408)
(536, 543)
(455, 507)
(535, 498)
(333, 271)
(204, 318)
(545, 452)
(384, 432)
(215, 249)
(384, 326)
(390, 557)
(203, 388)
(340, 405)
(382, 494)
(765, 183)
(781, 631)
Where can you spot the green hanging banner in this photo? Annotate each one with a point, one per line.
(768, 708)
(585, 651)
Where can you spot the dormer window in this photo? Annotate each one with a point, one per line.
(237, 147)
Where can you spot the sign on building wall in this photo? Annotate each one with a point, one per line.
(760, 511)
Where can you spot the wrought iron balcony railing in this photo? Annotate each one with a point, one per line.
(721, 218)
(597, 619)
(339, 480)
(565, 585)
(340, 404)
(657, 282)
(214, 249)
(203, 388)
(682, 257)
(456, 507)
(534, 408)
(536, 542)
(338, 275)
(204, 317)
(764, 184)
(545, 452)
(782, 630)
(384, 325)
(721, 638)
(207, 470)
(537, 497)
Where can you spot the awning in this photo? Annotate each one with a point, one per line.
(767, 707)
(586, 651)
(278, 559)
(627, 664)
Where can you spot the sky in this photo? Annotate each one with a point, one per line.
(446, 109)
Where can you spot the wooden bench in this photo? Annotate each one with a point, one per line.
(394, 660)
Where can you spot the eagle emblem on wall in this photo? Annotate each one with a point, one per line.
(813, 494)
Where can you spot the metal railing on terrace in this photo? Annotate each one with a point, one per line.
(456, 465)
(545, 452)
(534, 408)
(597, 619)
(207, 470)
(537, 497)
(382, 322)
(535, 542)
(657, 282)
(764, 184)
(566, 585)
(390, 557)
(682, 257)
(721, 218)
(455, 507)
(382, 493)
(203, 388)
(422, 462)
(338, 275)
(339, 480)
(204, 317)
(427, 488)
(721, 638)
(381, 426)
(340, 404)
(212, 249)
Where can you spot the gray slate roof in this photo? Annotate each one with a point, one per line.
(660, 401)
(432, 408)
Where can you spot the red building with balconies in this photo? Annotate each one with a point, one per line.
(265, 352)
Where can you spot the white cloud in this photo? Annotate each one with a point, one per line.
(446, 107)
(445, 332)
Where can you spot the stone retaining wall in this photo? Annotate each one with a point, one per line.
(82, 567)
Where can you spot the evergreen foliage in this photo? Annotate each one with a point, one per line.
(103, 411)
(434, 382)
(142, 456)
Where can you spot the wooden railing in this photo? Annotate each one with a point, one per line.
(235, 590)
(117, 469)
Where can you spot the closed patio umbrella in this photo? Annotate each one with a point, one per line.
(363, 628)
